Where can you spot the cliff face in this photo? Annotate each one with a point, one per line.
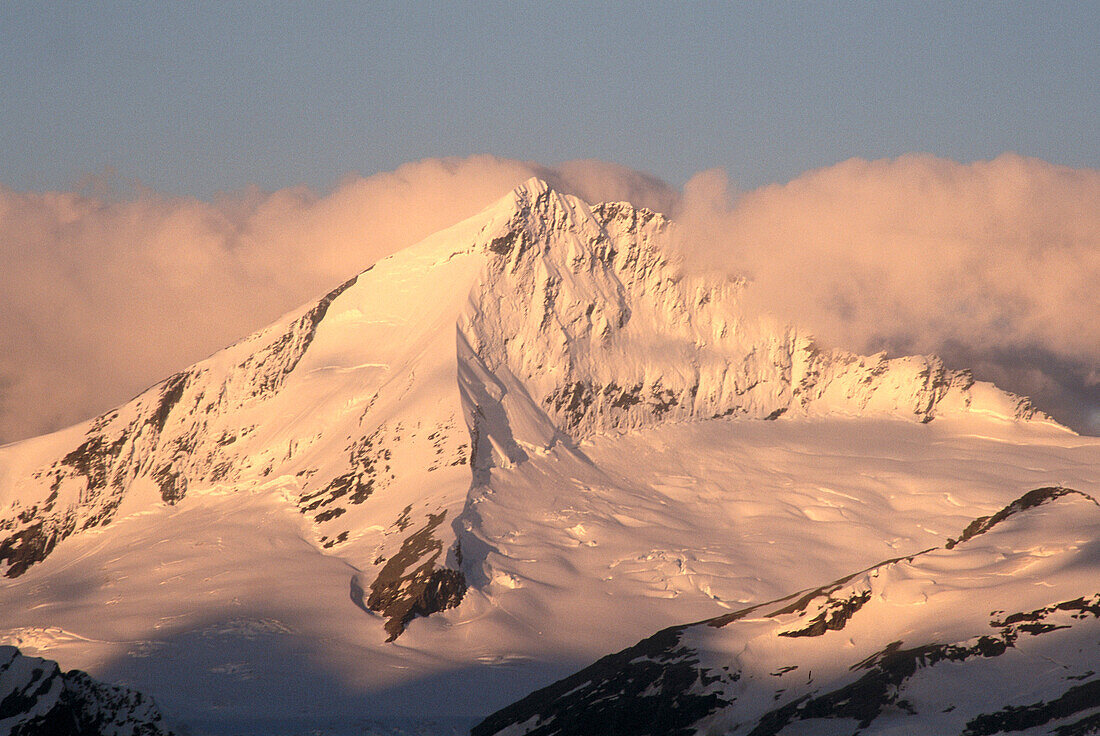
(587, 326)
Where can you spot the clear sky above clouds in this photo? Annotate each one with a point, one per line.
(192, 98)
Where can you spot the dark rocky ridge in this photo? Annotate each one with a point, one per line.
(646, 689)
(410, 584)
(659, 685)
(1029, 500)
(37, 699)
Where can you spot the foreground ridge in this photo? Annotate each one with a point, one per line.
(37, 699)
(903, 644)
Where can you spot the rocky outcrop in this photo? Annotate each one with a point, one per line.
(38, 699)
(411, 583)
(165, 436)
(584, 317)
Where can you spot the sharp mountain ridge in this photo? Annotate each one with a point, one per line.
(38, 699)
(540, 322)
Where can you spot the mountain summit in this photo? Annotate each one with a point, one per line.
(540, 320)
(534, 400)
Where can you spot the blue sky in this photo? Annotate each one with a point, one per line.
(193, 98)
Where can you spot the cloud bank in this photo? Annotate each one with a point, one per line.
(992, 265)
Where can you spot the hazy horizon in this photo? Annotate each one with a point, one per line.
(196, 99)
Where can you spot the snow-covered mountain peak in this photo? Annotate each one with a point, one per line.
(533, 416)
(529, 191)
(532, 218)
(587, 309)
(379, 409)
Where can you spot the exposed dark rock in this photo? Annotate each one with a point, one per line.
(866, 698)
(646, 689)
(112, 454)
(833, 618)
(441, 443)
(410, 584)
(515, 240)
(32, 544)
(368, 461)
(802, 601)
(1020, 718)
(1032, 622)
(170, 393)
(572, 401)
(172, 483)
(330, 543)
(1029, 500)
(100, 461)
(633, 218)
(403, 521)
(662, 399)
(623, 398)
(92, 460)
(1083, 727)
(37, 699)
(330, 514)
(575, 400)
(271, 365)
(630, 693)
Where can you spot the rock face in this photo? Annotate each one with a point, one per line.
(377, 409)
(400, 593)
(37, 699)
(997, 631)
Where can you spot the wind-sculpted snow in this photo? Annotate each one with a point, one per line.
(908, 645)
(37, 699)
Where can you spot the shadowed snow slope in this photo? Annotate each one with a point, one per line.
(480, 463)
(988, 634)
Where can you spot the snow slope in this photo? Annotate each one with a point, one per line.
(478, 465)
